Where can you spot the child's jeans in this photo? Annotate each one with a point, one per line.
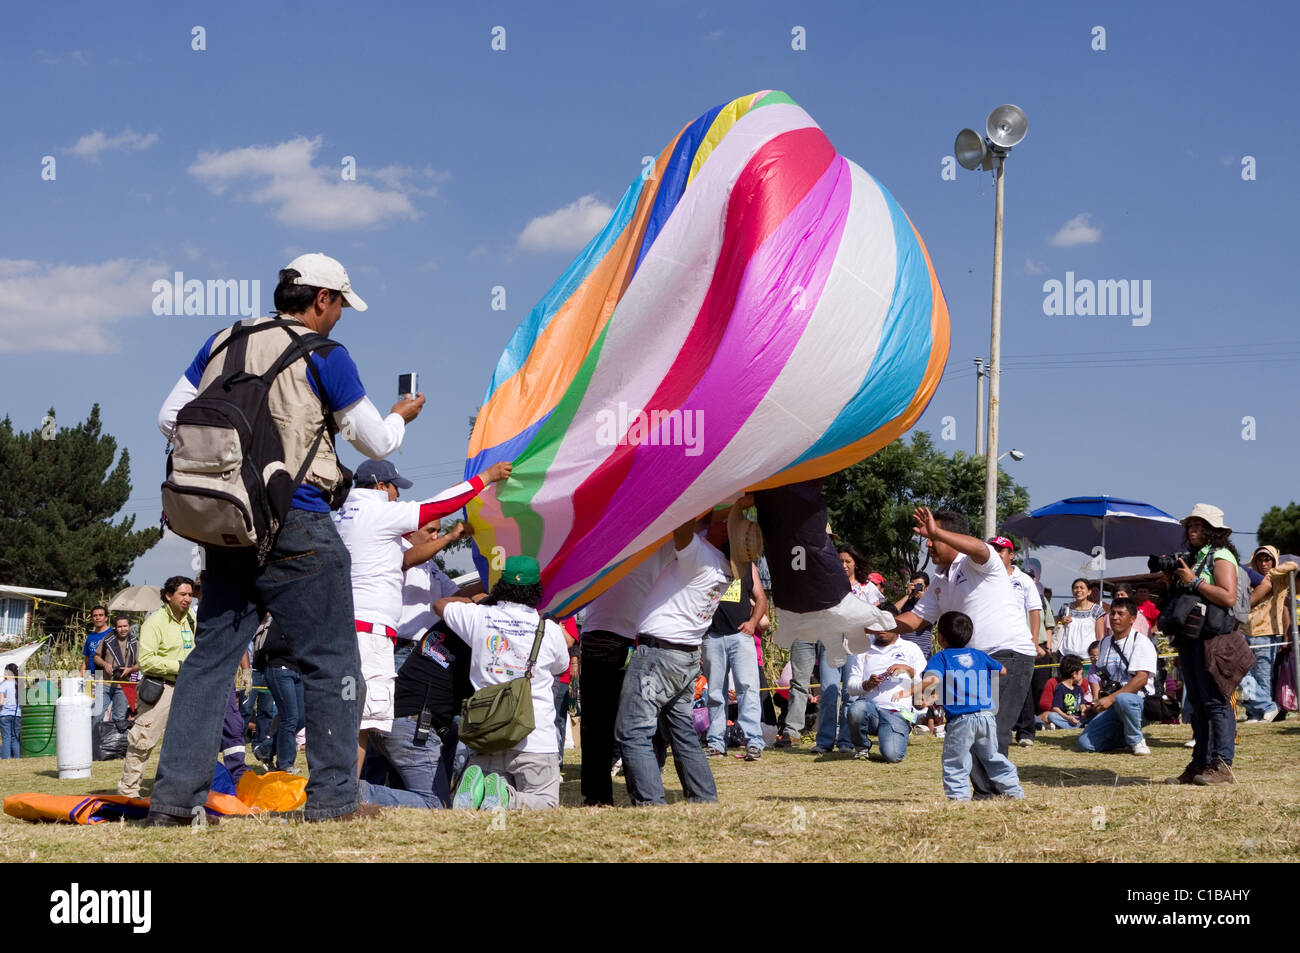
(1060, 721)
(976, 736)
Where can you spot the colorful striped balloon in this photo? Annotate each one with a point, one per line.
(757, 311)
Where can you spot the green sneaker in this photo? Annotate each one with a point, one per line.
(496, 794)
(470, 791)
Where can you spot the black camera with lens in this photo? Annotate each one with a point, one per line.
(1167, 562)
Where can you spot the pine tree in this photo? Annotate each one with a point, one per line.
(57, 497)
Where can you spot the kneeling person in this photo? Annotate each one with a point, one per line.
(1126, 662)
(500, 632)
(880, 681)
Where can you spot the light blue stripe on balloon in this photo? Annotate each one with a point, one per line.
(903, 352)
(521, 343)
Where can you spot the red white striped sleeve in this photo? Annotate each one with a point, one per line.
(449, 501)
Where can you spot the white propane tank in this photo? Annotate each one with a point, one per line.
(72, 729)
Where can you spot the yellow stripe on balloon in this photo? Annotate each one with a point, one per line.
(729, 115)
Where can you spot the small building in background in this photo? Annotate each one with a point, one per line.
(17, 603)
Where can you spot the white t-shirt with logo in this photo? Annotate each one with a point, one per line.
(983, 592)
(682, 600)
(1141, 654)
(894, 693)
(372, 528)
(422, 586)
(499, 638)
(618, 608)
(1026, 590)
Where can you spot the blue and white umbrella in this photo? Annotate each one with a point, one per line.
(1084, 523)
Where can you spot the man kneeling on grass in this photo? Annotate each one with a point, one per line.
(967, 695)
(499, 632)
(880, 682)
(1127, 666)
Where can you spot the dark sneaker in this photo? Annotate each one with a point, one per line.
(469, 793)
(753, 753)
(715, 753)
(158, 819)
(1219, 774)
(785, 741)
(1189, 774)
(496, 793)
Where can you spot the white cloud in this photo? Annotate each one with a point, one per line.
(305, 195)
(1077, 231)
(92, 144)
(46, 307)
(1035, 267)
(566, 229)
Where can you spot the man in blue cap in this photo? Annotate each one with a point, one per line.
(371, 524)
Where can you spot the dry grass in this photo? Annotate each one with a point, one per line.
(791, 806)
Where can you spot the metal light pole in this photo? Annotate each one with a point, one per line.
(1005, 127)
(995, 363)
(979, 407)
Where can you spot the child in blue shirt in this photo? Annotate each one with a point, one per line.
(967, 676)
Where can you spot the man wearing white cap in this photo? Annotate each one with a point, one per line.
(305, 582)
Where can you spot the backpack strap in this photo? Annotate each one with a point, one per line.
(537, 645)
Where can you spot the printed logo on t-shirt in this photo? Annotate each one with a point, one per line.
(434, 647)
(715, 595)
(965, 659)
(733, 592)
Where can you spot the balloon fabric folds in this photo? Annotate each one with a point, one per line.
(757, 311)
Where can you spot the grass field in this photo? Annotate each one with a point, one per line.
(792, 805)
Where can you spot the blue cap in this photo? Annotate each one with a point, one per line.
(373, 472)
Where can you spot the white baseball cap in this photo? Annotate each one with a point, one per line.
(322, 271)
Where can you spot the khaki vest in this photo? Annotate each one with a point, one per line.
(297, 410)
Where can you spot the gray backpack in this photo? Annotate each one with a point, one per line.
(227, 484)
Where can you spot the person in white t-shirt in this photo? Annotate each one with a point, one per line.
(500, 632)
(1027, 592)
(371, 524)
(1127, 663)
(969, 578)
(880, 682)
(661, 676)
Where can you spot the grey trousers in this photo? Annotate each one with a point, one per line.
(532, 777)
(803, 659)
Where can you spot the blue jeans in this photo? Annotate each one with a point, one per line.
(306, 584)
(10, 731)
(891, 728)
(1213, 724)
(260, 707)
(835, 689)
(286, 690)
(803, 659)
(426, 778)
(1262, 703)
(1060, 721)
(975, 737)
(119, 705)
(659, 687)
(560, 693)
(1118, 726)
(735, 652)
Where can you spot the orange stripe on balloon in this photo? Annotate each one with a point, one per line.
(552, 363)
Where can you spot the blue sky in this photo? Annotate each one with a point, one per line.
(479, 168)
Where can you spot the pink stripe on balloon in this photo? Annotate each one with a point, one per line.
(766, 323)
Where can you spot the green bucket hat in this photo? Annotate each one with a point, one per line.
(522, 570)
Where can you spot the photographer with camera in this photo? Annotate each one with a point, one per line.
(1126, 664)
(116, 658)
(1196, 610)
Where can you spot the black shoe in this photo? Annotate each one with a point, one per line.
(159, 819)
